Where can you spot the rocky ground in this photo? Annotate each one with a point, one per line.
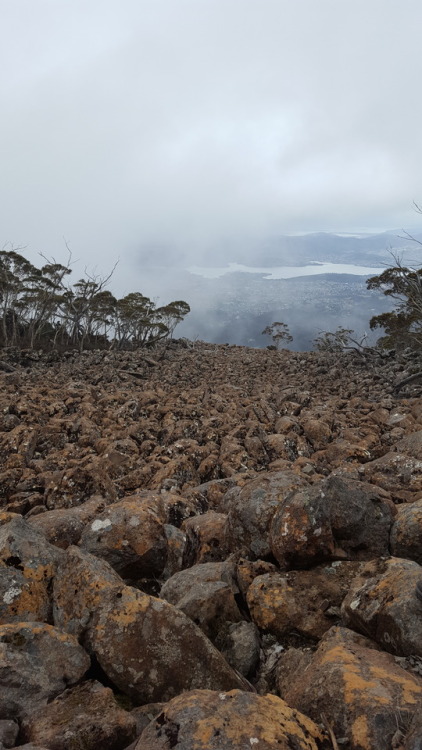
(210, 547)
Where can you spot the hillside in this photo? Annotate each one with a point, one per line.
(210, 547)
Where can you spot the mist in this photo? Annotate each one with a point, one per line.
(168, 134)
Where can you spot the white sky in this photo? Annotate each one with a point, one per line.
(128, 122)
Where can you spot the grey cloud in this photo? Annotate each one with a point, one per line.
(132, 122)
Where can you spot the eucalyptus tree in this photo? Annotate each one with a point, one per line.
(14, 271)
(403, 284)
(403, 325)
(172, 314)
(42, 301)
(279, 332)
(40, 306)
(333, 341)
(137, 322)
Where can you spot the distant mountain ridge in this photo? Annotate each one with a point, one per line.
(360, 248)
(322, 246)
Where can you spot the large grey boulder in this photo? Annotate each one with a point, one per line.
(335, 519)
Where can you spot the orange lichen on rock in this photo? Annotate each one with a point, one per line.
(208, 720)
(349, 678)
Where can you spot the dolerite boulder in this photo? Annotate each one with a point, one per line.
(143, 715)
(27, 566)
(400, 470)
(248, 570)
(25, 548)
(336, 518)
(37, 663)
(206, 594)
(291, 663)
(9, 730)
(139, 641)
(360, 690)
(176, 540)
(6, 516)
(414, 735)
(240, 646)
(275, 468)
(382, 604)
(64, 527)
(170, 507)
(251, 509)
(318, 432)
(74, 486)
(130, 537)
(22, 599)
(230, 721)
(305, 601)
(87, 716)
(406, 532)
(399, 474)
(411, 445)
(205, 540)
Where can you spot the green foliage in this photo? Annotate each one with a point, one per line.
(402, 326)
(38, 308)
(333, 341)
(279, 333)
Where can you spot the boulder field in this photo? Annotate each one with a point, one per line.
(210, 548)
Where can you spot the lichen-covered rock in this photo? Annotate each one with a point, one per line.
(413, 738)
(337, 518)
(139, 641)
(22, 599)
(252, 508)
(406, 532)
(8, 732)
(170, 508)
(74, 486)
(281, 449)
(79, 584)
(410, 445)
(37, 663)
(317, 432)
(209, 495)
(27, 565)
(64, 526)
(23, 547)
(129, 537)
(248, 570)
(229, 721)
(176, 540)
(143, 715)
(6, 516)
(205, 539)
(240, 646)
(202, 426)
(206, 594)
(86, 716)
(291, 663)
(305, 601)
(382, 604)
(398, 473)
(360, 690)
(339, 453)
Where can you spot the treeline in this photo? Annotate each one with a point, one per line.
(39, 308)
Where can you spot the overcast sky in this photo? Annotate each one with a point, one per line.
(126, 123)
